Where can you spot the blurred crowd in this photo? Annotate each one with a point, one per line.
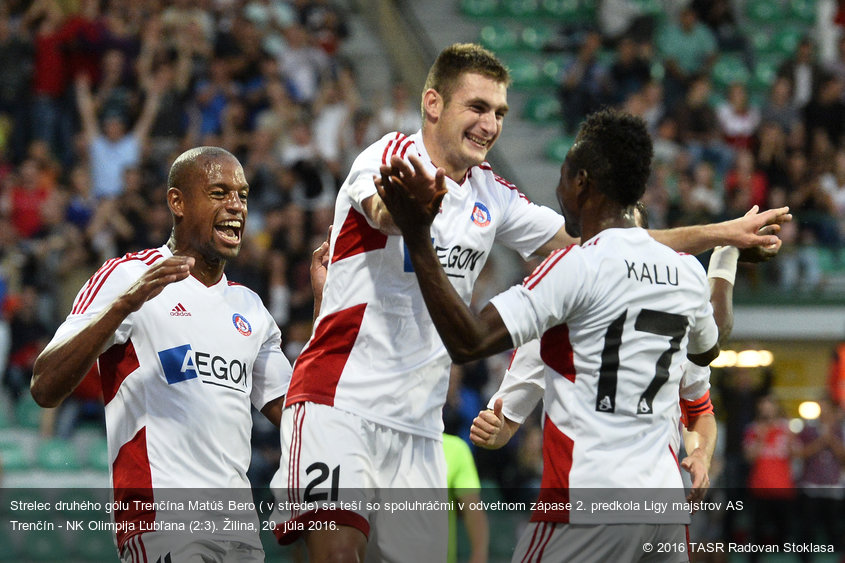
(734, 125)
(97, 97)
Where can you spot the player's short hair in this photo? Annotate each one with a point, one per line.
(185, 164)
(458, 59)
(615, 150)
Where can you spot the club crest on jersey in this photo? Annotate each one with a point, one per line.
(480, 214)
(241, 324)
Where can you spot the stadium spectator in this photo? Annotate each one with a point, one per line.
(738, 117)
(688, 49)
(127, 318)
(698, 127)
(803, 72)
(398, 112)
(585, 85)
(770, 447)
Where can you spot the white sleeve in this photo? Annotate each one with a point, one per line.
(527, 226)
(523, 385)
(705, 334)
(695, 381)
(271, 371)
(99, 292)
(556, 289)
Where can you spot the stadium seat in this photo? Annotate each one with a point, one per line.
(57, 455)
(13, 457)
(27, 413)
(803, 11)
(479, 8)
(499, 37)
(542, 109)
(552, 70)
(765, 72)
(97, 457)
(728, 69)
(764, 11)
(785, 41)
(520, 8)
(536, 37)
(761, 40)
(557, 148)
(525, 73)
(567, 9)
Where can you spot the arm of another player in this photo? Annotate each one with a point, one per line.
(62, 365)
(319, 271)
(405, 191)
(477, 527)
(699, 441)
(491, 429)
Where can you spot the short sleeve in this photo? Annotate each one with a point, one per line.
(523, 385)
(272, 371)
(527, 226)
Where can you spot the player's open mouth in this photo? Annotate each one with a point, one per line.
(478, 140)
(230, 231)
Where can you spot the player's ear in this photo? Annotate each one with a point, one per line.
(432, 104)
(176, 202)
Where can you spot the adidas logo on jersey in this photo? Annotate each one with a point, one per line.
(179, 311)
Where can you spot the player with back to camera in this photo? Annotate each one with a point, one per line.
(523, 385)
(182, 355)
(362, 414)
(613, 339)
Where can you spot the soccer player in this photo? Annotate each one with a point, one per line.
(182, 354)
(363, 412)
(523, 385)
(616, 315)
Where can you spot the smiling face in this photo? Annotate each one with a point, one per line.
(464, 128)
(211, 208)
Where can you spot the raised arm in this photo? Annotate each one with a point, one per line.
(744, 232)
(62, 365)
(467, 336)
(85, 105)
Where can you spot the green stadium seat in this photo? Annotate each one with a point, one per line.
(499, 37)
(729, 69)
(569, 10)
(57, 455)
(803, 11)
(97, 457)
(761, 40)
(479, 8)
(764, 72)
(525, 73)
(785, 41)
(552, 70)
(13, 457)
(651, 7)
(764, 11)
(520, 8)
(557, 148)
(27, 413)
(536, 37)
(542, 109)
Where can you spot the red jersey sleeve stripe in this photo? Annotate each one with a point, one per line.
(546, 265)
(97, 280)
(397, 139)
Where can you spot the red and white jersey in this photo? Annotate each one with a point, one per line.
(178, 378)
(616, 317)
(375, 351)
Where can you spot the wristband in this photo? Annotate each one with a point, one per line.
(723, 263)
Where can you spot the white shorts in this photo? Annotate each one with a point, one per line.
(340, 469)
(587, 543)
(166, 547)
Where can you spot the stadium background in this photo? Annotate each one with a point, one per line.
(296, 89)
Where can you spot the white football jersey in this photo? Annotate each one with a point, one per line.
(375, 351)
(616, 317)
(178, 378)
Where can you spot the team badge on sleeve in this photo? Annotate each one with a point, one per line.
(480, 214)
(241, 324)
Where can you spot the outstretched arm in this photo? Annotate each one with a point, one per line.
(744, 232)
(62, 365)
(700, 442)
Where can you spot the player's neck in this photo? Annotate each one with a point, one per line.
(605, 218)
(208, 272)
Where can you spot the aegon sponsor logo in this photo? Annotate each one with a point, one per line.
(457, 260)
(183, 363)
